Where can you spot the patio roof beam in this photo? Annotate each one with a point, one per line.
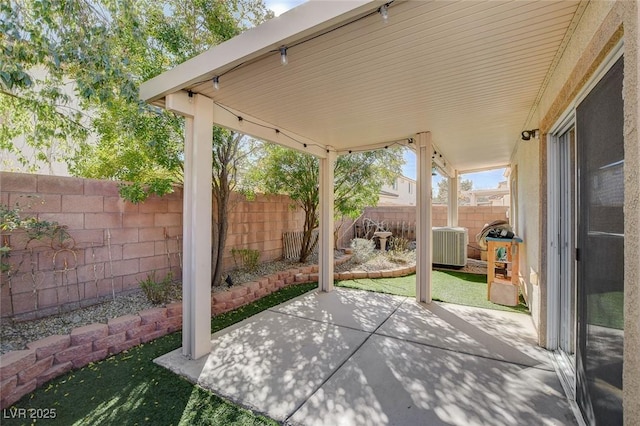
(407, 143)
(246, 124)
(442, 163)
(437, 159)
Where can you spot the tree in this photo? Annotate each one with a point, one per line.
(358, 179)
(71, 69)
(443, 190)
(230, 154)
(53, 61)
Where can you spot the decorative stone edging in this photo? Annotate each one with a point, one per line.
(23, 371)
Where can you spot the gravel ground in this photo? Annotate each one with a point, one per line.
(15, 335)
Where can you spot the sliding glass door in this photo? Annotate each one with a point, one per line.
(600, 255)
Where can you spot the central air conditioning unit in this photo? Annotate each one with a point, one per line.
(450, 246)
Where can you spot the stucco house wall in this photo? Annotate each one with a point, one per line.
(526, 162)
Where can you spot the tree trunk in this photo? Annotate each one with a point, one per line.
(224, 169)
(219, 238)
(307, 236)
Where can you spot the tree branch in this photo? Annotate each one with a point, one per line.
(55, 110)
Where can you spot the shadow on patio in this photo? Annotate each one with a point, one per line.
(355, 357)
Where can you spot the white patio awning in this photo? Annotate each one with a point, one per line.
(469, 72)
(463, 76)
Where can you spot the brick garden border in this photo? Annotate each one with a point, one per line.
(23, 371)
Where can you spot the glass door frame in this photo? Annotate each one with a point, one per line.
(561, 265)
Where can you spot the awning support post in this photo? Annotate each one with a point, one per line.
(423, 213)
(325, 280)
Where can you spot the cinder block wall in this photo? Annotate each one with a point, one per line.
(115, 244)
(258, 224)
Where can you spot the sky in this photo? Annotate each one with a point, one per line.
(281, 6)
(481, 180)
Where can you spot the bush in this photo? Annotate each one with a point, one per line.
(246, 258)
(402, 257)
(161, 292)
(363, 249)
(399, 244)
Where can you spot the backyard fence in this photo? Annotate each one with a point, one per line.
(401, 221)
(111, 245)
(366, 227)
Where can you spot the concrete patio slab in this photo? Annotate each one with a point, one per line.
(358, 309)
(394, 382)
(271, 363)
(358, 358)
(507, 336)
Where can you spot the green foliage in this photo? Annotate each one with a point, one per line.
(4, 254)
(399, 244)
(53, 51)
(246, 258)
(443, 190)
(70, 69)
(285, 171)
(160, 292)
(137, 192)
(360, 176)
(13, 219)
(363, 249)
(358, 179)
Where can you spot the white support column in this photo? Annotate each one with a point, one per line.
(196, 226)
(325, 281)
(452, 207)
(423, 214)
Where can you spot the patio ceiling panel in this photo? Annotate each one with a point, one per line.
(468, 72)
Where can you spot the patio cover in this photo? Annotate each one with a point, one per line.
(456, 81)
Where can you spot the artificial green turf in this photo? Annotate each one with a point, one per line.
(447, 286)
(129, 389)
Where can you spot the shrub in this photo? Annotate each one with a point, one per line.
(161, 292)
(246, 258)
(402, 257)
(363, 249)
(399, 244)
